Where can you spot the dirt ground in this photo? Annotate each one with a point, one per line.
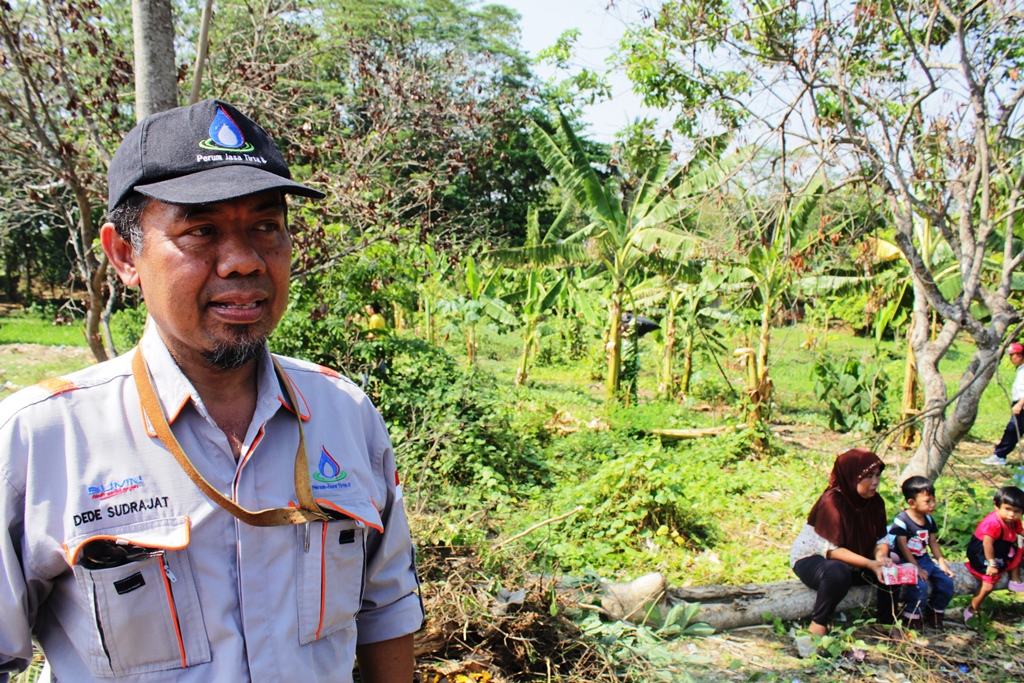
(35, 361)
(36, 354)
(957, 654)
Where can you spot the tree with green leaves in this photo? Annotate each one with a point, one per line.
(918, 99)
(476, 299)
(633, 227)
(779, 232)
(685, 295)
(60, 91)
(534, 299)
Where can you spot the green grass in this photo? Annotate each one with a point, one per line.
(570, 385)
(26, 328)
(25, 368)
(23, 363)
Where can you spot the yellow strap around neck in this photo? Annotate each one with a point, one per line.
(307, 511)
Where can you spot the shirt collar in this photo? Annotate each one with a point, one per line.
(174, 390)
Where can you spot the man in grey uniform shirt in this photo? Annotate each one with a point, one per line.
(199, 509)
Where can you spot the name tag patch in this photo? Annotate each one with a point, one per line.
(130, 583)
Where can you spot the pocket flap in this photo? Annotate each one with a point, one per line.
(171, 533)
(360, 510)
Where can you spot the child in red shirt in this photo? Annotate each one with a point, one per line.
(994, 548)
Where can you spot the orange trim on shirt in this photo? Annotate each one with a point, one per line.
(245, 459)
(174, 416)
(73, 557)
(323, 577)
(329, 504)
(323, 370)
(174, 612)
(303, 415)
(56, 385)
(146, 423)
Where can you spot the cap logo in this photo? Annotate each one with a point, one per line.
(225, 135)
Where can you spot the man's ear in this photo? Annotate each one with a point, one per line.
(121, 255)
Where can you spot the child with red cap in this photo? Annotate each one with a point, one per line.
(1015, 427)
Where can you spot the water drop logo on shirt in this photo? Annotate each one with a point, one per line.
(225, 135)
(329, 471)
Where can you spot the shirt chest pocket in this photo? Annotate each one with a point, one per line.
(330, 569)
(145, 607)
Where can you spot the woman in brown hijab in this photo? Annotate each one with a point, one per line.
(844, 542)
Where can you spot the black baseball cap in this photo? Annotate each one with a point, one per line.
(204, 153)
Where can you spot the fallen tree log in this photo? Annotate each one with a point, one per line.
(646, 599)
(725, 607)
(679, 434)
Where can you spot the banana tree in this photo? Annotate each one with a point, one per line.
(477, 301)
(767, 267)
(686, 296)
(627, 231)
(431, 288)
(535, 300)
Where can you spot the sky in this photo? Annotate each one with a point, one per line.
(543, 21)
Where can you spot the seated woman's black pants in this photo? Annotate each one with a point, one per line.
(832, 580)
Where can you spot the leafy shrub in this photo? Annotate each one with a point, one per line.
(634, 501)
(126, 327)
(855, 394)
(966, 504)
(46, 310)
(452, 427)
(709, 386)
(565, 339)
(851, 310)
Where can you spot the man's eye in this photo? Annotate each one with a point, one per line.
(201, 231)
(268, 226)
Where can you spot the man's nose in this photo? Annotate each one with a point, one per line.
(239, 256)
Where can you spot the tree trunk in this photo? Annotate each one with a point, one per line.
(399, 318)
(667, 386)
(156, 75)
(763, 344)
(201, 46)
(942, 426)
(677, 434)
(108, 311)
(94, 314)
(759, 384)
(28, 276)
(909, 411)
(687, 365)
(11, 275)
(824, 336)
(726, 607)
(470, 344)
(428, 317)
(614, 347)
(524, 360)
